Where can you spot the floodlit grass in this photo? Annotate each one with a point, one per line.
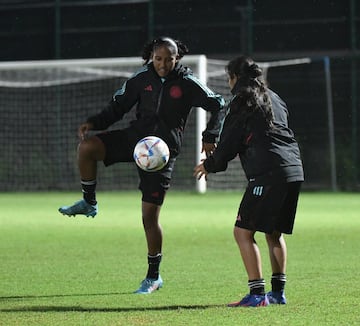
(57, 270)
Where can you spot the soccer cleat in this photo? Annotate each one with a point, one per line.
(80, 207)
(251, 300)
(276, 297)
(149, 285)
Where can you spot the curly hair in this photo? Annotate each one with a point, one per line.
(251, 89)
(175, 46)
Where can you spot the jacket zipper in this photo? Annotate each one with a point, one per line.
(159, 99)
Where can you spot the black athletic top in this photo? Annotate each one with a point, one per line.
(163, 105)
(267, 155)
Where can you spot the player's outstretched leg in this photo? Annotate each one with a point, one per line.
(81, 207)
(149, 285)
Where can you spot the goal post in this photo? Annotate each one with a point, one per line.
(200, 121)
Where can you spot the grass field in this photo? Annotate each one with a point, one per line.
(77, 271)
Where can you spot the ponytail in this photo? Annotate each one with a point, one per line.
(251, 88)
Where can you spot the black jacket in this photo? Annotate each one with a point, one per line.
(163, 105)
(267, 155)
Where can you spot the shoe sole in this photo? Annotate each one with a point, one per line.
(277, 302)
(234, 305)
(157, 289)
(73, 215)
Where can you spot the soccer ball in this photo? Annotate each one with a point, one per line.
(151, 154)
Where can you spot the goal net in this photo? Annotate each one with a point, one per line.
(42, 104)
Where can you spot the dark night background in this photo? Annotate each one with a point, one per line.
(266, 30)
(32, 30)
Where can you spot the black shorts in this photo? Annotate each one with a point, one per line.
(269, 208)
(119, 146)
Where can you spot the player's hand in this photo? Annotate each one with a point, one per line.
(84, 129)
(208, 148)
(199, 172)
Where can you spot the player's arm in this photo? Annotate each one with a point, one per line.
(230, 144)
(122, 102)
(215, 105)
(212, 103)
(227, 149)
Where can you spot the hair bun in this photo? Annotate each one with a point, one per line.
(254, 71)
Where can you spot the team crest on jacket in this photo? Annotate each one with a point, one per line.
(175, 92)
(148, 88)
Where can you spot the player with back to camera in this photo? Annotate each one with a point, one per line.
(163, 92)
(256, 128)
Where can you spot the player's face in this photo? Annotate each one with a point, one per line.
(232, 81)
(164, 61)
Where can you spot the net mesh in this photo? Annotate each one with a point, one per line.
(42, 105)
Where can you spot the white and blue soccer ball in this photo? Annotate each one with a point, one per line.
(151, 153)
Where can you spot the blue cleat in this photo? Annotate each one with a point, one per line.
(149, 285)
(276, 297)
(80, 207)
(251, 300)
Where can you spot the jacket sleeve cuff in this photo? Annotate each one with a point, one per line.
(208, 138)
(208, 163)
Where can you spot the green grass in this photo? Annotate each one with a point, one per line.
(77, 271)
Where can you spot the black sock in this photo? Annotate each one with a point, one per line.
(278, 281)
(154, 263)
(257, 286)
(88, 189)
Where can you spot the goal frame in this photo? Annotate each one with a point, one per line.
(198, 64)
